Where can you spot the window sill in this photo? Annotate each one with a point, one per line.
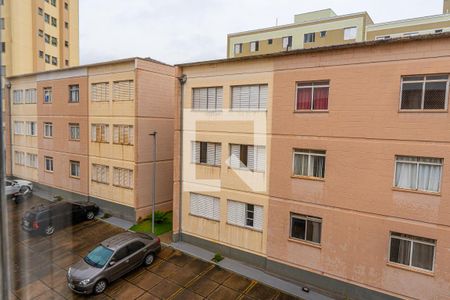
(205, 165)
(119, 144)
(396, 189)
(128, 100)
(207, 110)
(248, 110)
(411, 269)
(47, 171)
(100, 101)
(74, 177)
(423, 110)
(100, 182)
(122, 187)
(311, 111)
(205, 218)
(74, 140)
(73, 102)
(245, 169)
(48, 137)
(47, 102)
(308, 178)
(245, 227)
(306, 243)
(98, 142)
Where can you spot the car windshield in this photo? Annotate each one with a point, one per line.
(98, 257)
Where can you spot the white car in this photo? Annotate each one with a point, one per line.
(18, 186)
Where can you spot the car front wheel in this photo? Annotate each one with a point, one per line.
(148, 260)
(90, 215)
(100, 286)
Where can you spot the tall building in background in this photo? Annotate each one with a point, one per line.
(325, 28)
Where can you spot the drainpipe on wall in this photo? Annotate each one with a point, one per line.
(182, 79)
(8, 88)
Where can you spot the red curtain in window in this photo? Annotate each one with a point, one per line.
(321, 98)
(304, 96)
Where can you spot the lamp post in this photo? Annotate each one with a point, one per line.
(154, 181)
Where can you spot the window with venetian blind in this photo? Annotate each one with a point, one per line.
(100, 92)
(123, 177)
(19, 127)
(100, 173)
(248, 157)
(206, 153)
(19, 158)
(245, 214)
(312, 96)
(123, 90)
(30, 96)
(205, 206)
(207, 98)
(100, 133)
(17, 96)
(249, 97)
(31, 160)
(123, 134)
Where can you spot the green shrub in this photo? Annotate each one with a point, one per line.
(106, 216)
(160, 217)
(58, 198)
(217, 257)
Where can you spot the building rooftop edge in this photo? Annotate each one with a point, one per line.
(320, 49)
(97, 64)
(406, 20)
(298, 24)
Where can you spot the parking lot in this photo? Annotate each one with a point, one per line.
(39, 265)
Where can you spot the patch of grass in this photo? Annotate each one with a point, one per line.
(217, 257)
(146, 225)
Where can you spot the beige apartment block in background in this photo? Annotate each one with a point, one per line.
(325, 28)
(91, 133)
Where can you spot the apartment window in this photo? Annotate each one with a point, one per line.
(270, 41)
(40, 11)
(67, 62)
(306, 228)
(47, 58)
(323, 34)
(40, 32)
(74, 131)
(205, 206)
(19, 158)
(312, 96)
(254, 46)
(3, 47)
(17, 96)
(54, 41)
(30, 96)
(206, 153)
(237, 48)
(18, 127)
(310, 37)
(245, 214)
(384, 37)
(249, 97)
(48, 162)
(248, 157)
(424, 92)
(54, 21)
(207, 98)
(350, 33)
(74, 93)
(287, 42)
(412, 251)
(418, 173)
(123, 90)
(100, 91)
(48, 130)
(100, 173)
(123, 177)
(47, 38)
(66, 25)
(309, 163)
(100, 133)
(2, 23)
(54, 61)
(123, 134)
(48, 95)
(53, 2)
(66, 44)
(31, 128)
(41, 54)
(47, 18)
(32, 161)
(74, 169)
(66, 5)
(438, 31)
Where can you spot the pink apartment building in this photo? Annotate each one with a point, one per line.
(356, 166)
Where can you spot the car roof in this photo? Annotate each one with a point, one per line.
(120, 239)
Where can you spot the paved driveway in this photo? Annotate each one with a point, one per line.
(39, 266)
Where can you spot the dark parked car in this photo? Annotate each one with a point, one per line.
(46, 218)
(112, 259)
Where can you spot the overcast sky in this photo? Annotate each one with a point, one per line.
(176, 31)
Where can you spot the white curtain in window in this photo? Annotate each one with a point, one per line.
(406, 175)
(429, 178)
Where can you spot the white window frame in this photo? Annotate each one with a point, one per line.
(412, 240)
(350, 33)
(306, 219)
(256, 149)
(238, 48)
(312, 86)
(32, 160)
(130, 90)
(242, 222)
(96, 175)
(418, 163)
(217, 157)
(287, 42)
(103, 128)
(120, 173)
(120, 132)
(215, 204)
(309, 37)
(424, 82)
(100, 92)
(18, 97)
(31, 128)
(19, 127)
(262, 103)
(74, 93)
(212, 103)
(254, 46)
(49, 159)
(48, 128)
(74, 170)
(47, 95)
(75, 137)
(30, 96)
(19, 158)
(310, 153)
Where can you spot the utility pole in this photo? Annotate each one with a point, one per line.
(154, 180)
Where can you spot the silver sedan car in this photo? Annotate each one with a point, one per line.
(112, 259)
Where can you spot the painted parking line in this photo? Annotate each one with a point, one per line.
(191, 282)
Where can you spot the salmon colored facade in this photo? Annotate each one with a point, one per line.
(112, 166)
(359, 216)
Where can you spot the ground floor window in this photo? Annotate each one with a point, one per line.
(306, 228)
(123, 177)
(48, 163)
(412, 251)
(205, 206)
(245, 214)
(100, 173)
(74, 168)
